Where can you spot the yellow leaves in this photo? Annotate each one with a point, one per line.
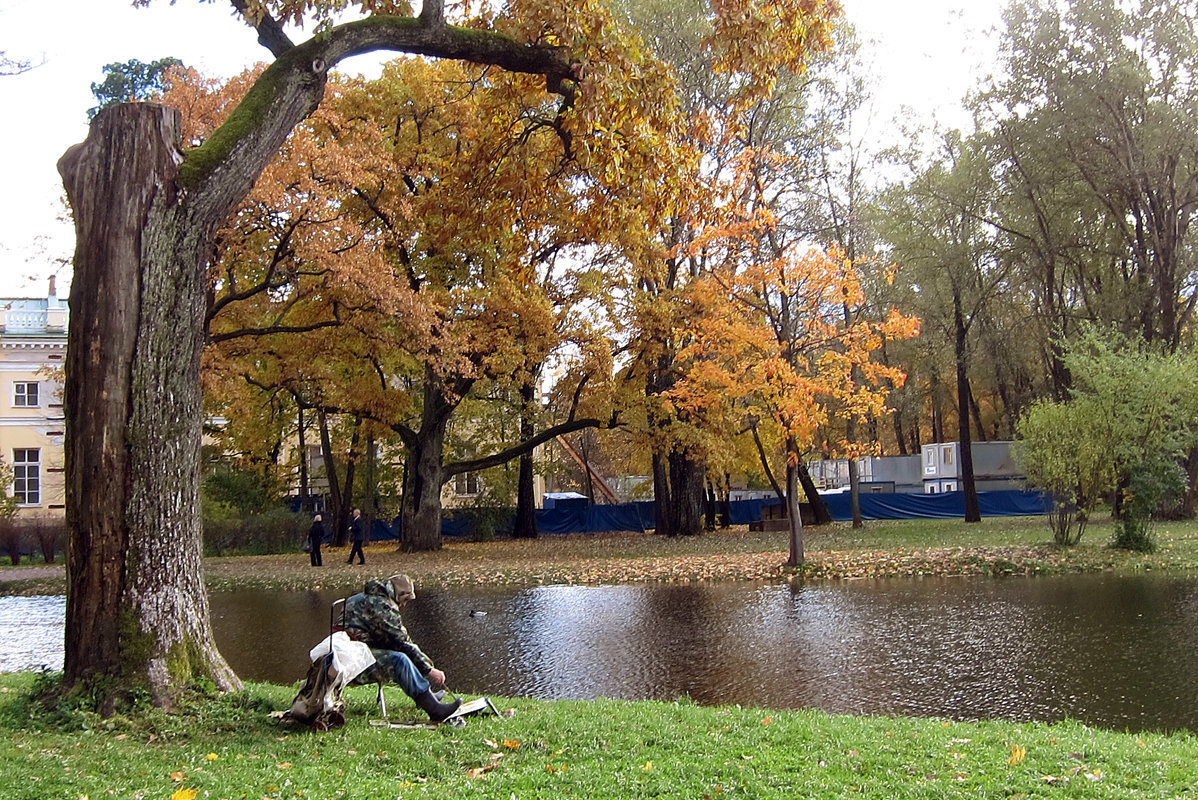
(647, 766)
(479, 772)
(211, 757)
(1017, 755)
(184, 794)
(787, 335)
(511, 744)
(178, 777)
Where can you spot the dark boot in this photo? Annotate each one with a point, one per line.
(437, 712)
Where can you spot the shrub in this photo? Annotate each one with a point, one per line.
(273, 530)
(1159, 480)
(1062, 450)
(12, 539)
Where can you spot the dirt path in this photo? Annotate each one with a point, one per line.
(26, 573)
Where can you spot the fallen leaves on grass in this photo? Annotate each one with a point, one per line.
(479, 772)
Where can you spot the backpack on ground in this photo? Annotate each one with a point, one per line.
(320, 704)
(335, 662)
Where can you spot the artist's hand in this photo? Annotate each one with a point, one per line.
(436, 677)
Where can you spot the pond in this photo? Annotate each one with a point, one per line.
(1113, 652)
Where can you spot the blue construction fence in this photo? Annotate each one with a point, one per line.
(582, 518)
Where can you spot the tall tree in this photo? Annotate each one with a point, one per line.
(777, 339)
(129, 81)
(940, 234)
(137, 614)
(434, 209)
(1093, 137)
(723, 91)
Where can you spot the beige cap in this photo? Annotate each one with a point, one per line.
(401, 588)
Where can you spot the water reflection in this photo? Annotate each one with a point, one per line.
(1115, 652)
(31, 630)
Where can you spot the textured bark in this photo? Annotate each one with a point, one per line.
(420, 519)
(793, 512)
(663, 499)
(686, 487)
(136, 604)
(525, 526)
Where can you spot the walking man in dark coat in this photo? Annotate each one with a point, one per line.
(357, 537)
(315, 539)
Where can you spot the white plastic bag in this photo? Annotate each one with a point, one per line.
(350, 658)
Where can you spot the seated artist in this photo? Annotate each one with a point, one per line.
(372, 616)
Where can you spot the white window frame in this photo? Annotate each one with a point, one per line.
(21, 394)
(467, 484)
(27, 476)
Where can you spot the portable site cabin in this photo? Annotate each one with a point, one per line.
(994, 467)
(875, 474)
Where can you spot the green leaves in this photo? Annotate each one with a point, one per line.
(1130, 415)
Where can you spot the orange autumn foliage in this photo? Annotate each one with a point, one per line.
(773, 343)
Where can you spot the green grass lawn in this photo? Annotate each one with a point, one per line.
(231, 748)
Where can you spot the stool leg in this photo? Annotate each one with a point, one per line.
(382, 703)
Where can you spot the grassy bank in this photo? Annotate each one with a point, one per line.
(231, 748)
(995, 546)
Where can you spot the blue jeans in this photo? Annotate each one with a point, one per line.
(394, 667)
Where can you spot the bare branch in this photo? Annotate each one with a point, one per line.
(270, 32)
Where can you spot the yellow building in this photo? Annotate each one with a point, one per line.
(33, 345)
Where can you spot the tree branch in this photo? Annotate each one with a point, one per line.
(271, 330)
(270, 32)
(527, 446)
(219, 173)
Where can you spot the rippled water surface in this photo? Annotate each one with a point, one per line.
(31, 633)
(1115, 652)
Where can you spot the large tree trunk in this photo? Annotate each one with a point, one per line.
(420, 518)
(662, 496)
(137, 610)
(686, 487)
(145, 217)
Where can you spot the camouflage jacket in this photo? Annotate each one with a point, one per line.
(372, 616)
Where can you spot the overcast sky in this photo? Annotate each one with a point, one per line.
(927, 54)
